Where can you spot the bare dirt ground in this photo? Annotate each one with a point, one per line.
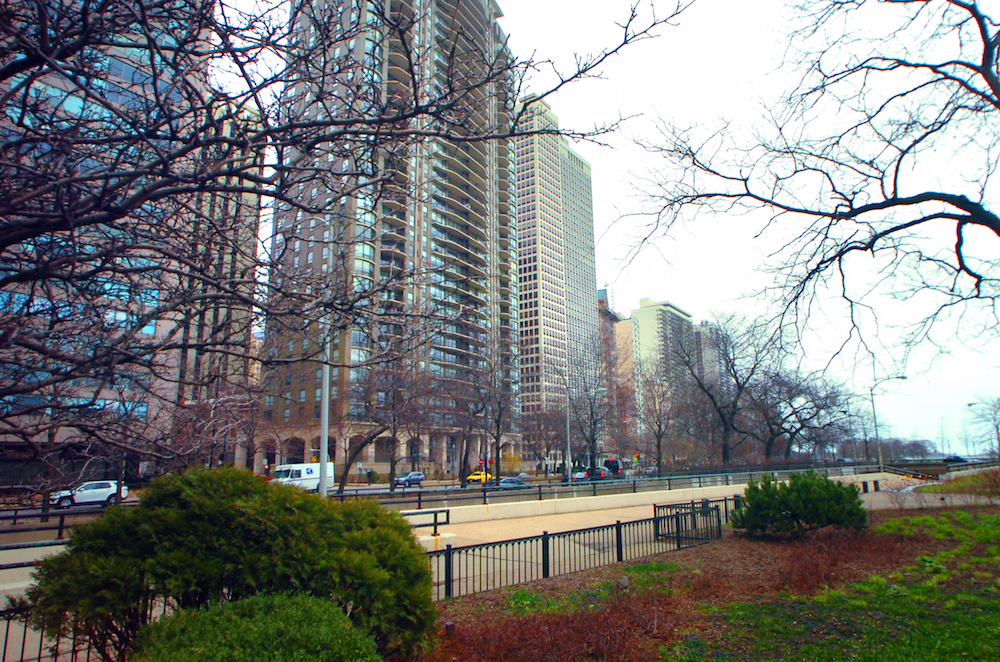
(618, 620)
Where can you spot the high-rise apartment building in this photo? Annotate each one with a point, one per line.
(135, 260)
(555, 234)
(660, 330)
(422, 228)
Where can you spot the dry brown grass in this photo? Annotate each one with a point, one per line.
(632, 623)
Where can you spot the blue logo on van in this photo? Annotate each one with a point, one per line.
(309, 472)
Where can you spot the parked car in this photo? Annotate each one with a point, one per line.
(479, 477)
(410, 479)
(598, 473)
(102, 492)
(578, 477)
(512, 483)
(524, 476)
(954, 459)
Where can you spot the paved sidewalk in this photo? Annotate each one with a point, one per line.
(474, 533)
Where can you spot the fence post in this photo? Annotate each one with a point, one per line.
(540, 497)
(62, 526)
(447, 572)
(545, 554)
(619, 541)
(718, 524)
(420, 502)
(677, 528)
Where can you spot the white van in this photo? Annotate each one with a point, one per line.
(304, 475)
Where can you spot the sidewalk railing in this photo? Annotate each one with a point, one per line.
(465, 570)
(471, 569)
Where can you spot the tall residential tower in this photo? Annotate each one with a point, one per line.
(555, 234)
(420, 226)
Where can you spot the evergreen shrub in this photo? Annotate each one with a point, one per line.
(807, 501)
(276, 628)
(207, 536)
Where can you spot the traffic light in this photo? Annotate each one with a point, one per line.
(637, 457)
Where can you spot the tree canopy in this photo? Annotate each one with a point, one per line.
(876, 172)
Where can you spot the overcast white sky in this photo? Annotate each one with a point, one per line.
(720, 61)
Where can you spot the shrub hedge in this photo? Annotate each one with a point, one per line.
(807, 501)
(208, 536)
(276, 628)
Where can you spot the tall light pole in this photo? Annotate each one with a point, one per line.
(569, 451)
(871, 394)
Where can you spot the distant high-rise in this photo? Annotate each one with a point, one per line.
(660, 330)
(434, 237)
(555, 234)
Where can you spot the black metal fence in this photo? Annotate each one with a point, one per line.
(464, 570)
(471, 569)
(25, 644)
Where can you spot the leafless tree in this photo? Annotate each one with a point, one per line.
(877, 169)
(790, 408)
(745, 351)
(391, 397)
(138, 142)
(658, 408)
(986, 421)
(544, 434)
(593, 371)
(493, 394)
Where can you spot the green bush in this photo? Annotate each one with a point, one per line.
(207, 536)
(276, 628)
(808, 501)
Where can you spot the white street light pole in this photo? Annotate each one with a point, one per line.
(871, 395)
(566, 459)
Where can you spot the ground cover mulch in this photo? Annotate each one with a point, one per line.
(619, 619)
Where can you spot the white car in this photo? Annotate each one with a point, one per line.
(94, 491)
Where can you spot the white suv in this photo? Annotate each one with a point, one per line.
(94, 491)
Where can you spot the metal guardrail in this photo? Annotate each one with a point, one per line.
(436, 519)
(420, 498)
(444, 498)
(27, 545)
(471, 569)
(464, 570)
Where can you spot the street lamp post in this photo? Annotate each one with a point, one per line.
(871, 395)
(566, 459)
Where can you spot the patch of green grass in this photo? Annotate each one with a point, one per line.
(944, 608)
(651, 567)
(524, 601)
(960, 485)
(653, 576)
